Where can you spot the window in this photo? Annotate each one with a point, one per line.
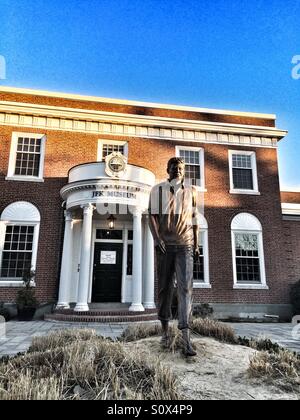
(17, 252)
(19, 231)
(109, 234)
(199, 274)
(106, 148)
(201, 266)
(129, 260)
(248, 253)
(247, 258)
(194, 164)
(26, 161)
(243, 172)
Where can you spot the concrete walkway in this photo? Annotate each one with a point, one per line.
(19, 334)
(279, 333)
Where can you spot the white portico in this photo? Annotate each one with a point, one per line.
(100, 264)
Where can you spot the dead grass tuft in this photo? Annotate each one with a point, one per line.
(284, 367)
(80, 365)
(203, 327)
(214, 329)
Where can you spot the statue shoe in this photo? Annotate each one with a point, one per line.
(165, 341)
(188, 349)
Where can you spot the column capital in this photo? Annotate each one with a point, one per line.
(137, 212)
(68, 216)
(88, 208)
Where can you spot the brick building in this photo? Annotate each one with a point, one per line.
(69, 162)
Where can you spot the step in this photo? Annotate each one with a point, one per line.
(102, 318)
(97, 312)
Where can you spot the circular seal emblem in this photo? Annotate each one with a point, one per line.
(116, 164)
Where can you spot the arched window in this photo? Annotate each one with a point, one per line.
(248, 252)
(201, 267)
(19, 233)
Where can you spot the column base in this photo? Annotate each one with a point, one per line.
(149, 305)
(137, 307)
(62, 305)
(81, 307)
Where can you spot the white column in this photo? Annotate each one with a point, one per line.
(137, 280)
(149, 268)
(84, 274)
(66, 264)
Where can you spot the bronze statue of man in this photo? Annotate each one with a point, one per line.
(175, 228)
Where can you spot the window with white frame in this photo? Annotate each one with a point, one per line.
(243, 172)
(106, 148)
(201, 265)
(194, 164)
(247, 258)
(248, 253)
(19, 232)
(27, 157)
(17, 251)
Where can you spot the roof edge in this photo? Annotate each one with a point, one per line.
(87, 98)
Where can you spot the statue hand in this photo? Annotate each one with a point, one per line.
(196, 252)
(161, 246)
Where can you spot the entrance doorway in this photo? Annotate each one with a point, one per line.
(107, 275)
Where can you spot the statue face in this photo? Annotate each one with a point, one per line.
(176, 171)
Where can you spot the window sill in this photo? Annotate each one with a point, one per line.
(202, 286)
(245, 192)
(24, 179)
(250, 287)
(13, 283)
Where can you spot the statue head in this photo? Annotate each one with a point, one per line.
(176, 168)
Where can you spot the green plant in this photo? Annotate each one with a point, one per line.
(203, 310)
(4, 312)
(26, 297)
(295, 298)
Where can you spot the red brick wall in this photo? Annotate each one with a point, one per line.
(136, 110)
(290, 197)
(65, 150)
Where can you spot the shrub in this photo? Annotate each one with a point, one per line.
(202, 310)
(295, 298)
(4, 312)
(26, 296)
(261, 345)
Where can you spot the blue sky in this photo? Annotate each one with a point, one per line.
(228, 54)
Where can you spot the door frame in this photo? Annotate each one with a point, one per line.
(125, 227)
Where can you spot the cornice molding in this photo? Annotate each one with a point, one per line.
(106, 123)
(291, 209)
(87, 98)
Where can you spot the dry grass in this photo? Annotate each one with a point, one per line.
(137, 332)
(202, 327)
(214, 329)
(284, 367)
(80, 365)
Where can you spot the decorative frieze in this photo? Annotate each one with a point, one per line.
(102, 128)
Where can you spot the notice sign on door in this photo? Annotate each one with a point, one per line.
(108, 257)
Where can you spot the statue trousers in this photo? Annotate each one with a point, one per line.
(178, 260)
